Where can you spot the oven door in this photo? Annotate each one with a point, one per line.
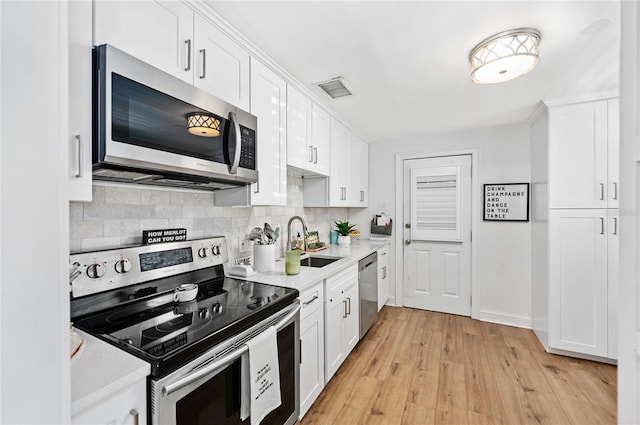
(207, 390)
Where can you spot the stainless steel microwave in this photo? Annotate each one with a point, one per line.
(152, 128)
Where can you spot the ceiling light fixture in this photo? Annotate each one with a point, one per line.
(505, 56)
(203, 125)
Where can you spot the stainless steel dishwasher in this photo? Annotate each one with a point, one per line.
(368, 286)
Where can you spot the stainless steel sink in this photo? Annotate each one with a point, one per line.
(313, 261)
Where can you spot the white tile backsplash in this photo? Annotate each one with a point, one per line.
(117, 216)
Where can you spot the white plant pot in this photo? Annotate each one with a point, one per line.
(344, 240)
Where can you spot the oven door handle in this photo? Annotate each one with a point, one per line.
(222, 362)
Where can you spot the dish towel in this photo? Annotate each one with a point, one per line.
(260, 373)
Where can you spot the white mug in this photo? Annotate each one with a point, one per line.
(185, 292)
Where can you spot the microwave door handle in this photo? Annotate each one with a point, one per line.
(217, 365)
(235, 143)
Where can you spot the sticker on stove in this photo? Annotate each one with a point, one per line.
(161, 236)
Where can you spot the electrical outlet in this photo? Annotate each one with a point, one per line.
(244, 245)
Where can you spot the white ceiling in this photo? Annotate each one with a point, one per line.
(407, 61)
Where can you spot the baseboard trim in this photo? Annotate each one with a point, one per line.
(506, 319)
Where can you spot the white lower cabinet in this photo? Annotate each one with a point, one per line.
(583, 247)
(342, 318)
(127, 406)
(383, 275)
(311, 346)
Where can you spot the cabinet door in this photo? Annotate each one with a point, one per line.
(613, 156)
(222, 65)
(268, 103)
(80, 71)
(359, 172)
(311, 359)
(341, 162)
(578, 281)
(578, 156)
(613, 276)
(157, 32)
(299, 150)
(128, 406)
(352, 319)
(321, 140)
(335, 313)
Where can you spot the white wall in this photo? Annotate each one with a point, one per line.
(629, 296)
(34, 310)
(504, 279)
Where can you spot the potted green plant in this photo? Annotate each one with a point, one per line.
(344, 228)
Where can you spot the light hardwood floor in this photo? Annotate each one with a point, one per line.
(421, 367)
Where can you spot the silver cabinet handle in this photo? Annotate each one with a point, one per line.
(188, 67)
(203, 53)
(615, 225)
(343, 193)
(344, 302)
(136, 416)
(602, 225)
(257, 190)
(384, 272)
(315, 297)
(362, 196)
(310, 153)
(407, 241)
(349, 305)
(235, 142)
(315, 155)
(615, 191)
(221, 363)
(602, 191)
(79, 143)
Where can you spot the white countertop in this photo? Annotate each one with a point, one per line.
(350, 254)
(102, 370)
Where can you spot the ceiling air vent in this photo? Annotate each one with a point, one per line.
(336, 87)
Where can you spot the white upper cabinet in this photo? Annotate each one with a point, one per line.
(583, 155)
(222, 65)
(80, 71)
(157, 32)
(348, 182)
(308, 135)
(359, 172)
(172, 37)
(340, 189)
(269, 104)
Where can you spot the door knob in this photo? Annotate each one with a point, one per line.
(407, 241)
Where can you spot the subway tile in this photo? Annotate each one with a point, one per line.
(122, 228)
(168, 211)
(98, 194)
(93, 244)
(155, 197)
(154, 224)
(86, 229)
(204, 199)
(122, 195)
(193, 211)
(181, 223)
(75, 211)
(117, 211)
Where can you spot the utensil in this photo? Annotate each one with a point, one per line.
(270, 234)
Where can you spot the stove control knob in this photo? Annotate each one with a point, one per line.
(204, 313)
(217, 308)
(123, 266)
(202, 252)
(95, 270)
(215, 250)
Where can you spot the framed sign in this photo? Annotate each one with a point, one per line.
(506, 202)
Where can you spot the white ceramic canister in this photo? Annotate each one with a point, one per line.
(264, 258)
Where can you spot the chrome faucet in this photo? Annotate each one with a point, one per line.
(304, 230)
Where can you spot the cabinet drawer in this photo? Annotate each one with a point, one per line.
(341, 281)
(383, 253)
(311, 299)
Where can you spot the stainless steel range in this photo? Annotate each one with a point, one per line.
(128, 297)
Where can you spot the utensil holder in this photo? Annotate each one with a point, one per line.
(264, 258)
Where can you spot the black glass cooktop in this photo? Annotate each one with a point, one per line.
(168, 333)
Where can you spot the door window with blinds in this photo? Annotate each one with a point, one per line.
(436, 203)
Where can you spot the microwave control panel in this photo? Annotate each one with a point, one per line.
(247, 148)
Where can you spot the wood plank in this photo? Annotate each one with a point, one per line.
(422, 367)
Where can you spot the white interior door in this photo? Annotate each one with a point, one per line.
(437, 234)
